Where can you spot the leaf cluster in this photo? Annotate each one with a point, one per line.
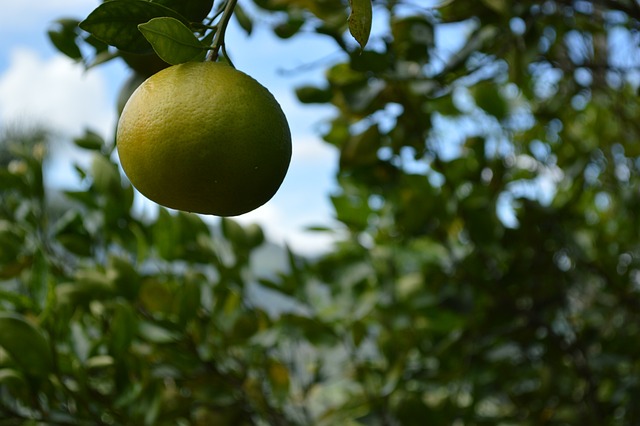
(487, 270)
(110, 317)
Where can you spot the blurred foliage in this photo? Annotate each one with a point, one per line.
(490, 272)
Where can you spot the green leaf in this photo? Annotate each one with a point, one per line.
(116, 23)
(11, 241)
(156, 296)
(194, 10)
(90, 140)
(182, 236)
(370, 61)
(190, 300)
(488, 97)
(85, 198)
(39, 282)
(123, 325)
(255, 235)
(413, 37)
(342, 75)
(278, 375)
(233, 231)
(12, 378)
(99, 362)
(499, 6)
(352, 211)
(26, 344)
(105, 174)
(166, 233)
(243, 19)
(360, 21)
(88, 285)
(124, 276)
(64, 37)
(313, 95)
(70, 231)
(172, 40)
(290, 27)
(361, 149)
(144, 65)
(156, 334)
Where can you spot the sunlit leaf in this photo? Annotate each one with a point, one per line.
(155, 333)
(172, 40)
(88, 285)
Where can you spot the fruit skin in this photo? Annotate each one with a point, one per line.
(206, 138)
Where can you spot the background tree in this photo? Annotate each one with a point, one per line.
(489, 275)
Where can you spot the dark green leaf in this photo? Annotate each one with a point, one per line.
(370, 61)
(243, 19)
(122, 330)
(361, 149)
(312, 94)
(255, 235)
(71, 232)
(190, 300)
(125, 277)
(13, 380)
(26, 343)
(88, 285)
(233, 231)
(105, 175)
(413, 38)
(488, 97)
(116, 23)
(194, 10)
(64, 37)
(90, 140)
(290, 27)
(342, 75)
(11, 241)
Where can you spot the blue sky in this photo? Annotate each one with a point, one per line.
(41, 86)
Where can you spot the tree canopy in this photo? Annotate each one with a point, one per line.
(489, 272)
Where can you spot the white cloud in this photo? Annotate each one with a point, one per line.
(310, 148)
(54, 92)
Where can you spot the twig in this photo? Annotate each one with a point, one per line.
(218, 38)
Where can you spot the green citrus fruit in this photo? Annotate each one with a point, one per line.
(206, 138)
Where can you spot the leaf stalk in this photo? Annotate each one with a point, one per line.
(218, 38)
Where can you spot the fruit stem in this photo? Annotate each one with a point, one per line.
(218, 38)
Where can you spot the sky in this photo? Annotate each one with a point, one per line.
(40, 86)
